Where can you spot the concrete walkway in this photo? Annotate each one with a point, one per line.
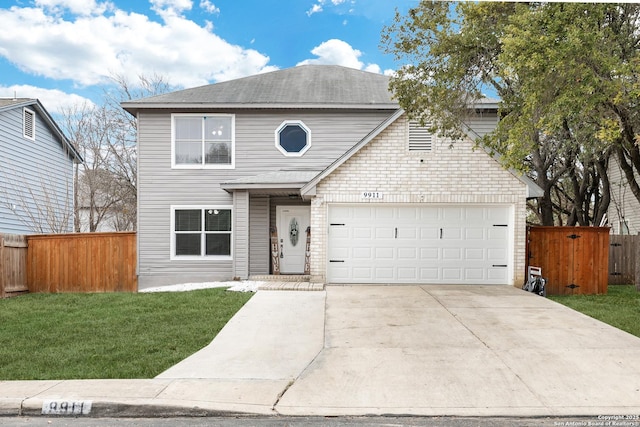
(366, 350)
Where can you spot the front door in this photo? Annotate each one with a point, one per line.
(292, 236)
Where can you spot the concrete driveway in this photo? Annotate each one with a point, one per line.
(418, 350)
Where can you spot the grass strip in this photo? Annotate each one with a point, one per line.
(619, 307)
(111, 335)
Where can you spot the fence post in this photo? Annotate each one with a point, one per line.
(636, 252)
(2, 267)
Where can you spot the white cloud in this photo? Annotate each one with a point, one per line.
(173, 7)
(79, 7)
(314, 9)
(338, 52)
(209, 7)
(54, 100)
(88, 48)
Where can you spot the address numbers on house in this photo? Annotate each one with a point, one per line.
(372, 195)
(66, 407)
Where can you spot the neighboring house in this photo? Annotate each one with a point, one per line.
(624, 209)
(36, 170)
(326, 147)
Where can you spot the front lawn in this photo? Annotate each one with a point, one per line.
(114, 335)
(620, 307)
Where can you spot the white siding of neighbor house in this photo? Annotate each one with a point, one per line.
(449, 174)
(32, 173)
(624, 205)
(160, 187)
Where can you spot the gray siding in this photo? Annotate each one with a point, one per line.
(482, 123)
(241, 234)
(259, 250)
(35, 176)
(624, 205)
(160, 187)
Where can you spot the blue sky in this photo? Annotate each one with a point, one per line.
(63, 51)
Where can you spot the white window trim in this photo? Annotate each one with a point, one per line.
(202, 257)
(288, 123)
(232, 165)
(26, 111)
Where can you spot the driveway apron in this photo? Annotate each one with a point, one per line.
(463, 350)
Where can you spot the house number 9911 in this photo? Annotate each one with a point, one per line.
(64, 407)
(371, 195)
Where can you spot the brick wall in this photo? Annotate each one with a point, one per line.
(448, 174)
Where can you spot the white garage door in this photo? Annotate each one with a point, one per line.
(419, 244)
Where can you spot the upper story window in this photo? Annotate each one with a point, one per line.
(29, 124)
(203, 140)
(420, 137)
(293, 138)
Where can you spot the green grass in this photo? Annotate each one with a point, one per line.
(620, 307)
(116, 335)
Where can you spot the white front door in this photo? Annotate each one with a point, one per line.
(292, 236)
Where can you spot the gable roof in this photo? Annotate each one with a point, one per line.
(305, 86)
(7, 104)
(533, 190)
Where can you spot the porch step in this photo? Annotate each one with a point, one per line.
(281, 278)
(286, 282)
(291, 286)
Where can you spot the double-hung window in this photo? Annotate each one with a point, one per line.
(201, 232)
(203, 140)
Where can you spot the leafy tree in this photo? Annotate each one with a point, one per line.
(566, 75)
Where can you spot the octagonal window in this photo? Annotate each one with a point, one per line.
(293, 138)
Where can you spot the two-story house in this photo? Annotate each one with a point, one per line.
(236, 177)
(36, 170)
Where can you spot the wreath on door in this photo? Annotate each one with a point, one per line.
(294, 231)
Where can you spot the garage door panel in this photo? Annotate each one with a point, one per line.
(429, 274)
(407, 274)
(452, 214)
(429, 253)
(497, 274)
(474, 233)
(362, 213)
(384, 213)
(451, 253)
(429, 233)
(361, 253)
(384, 274)
(452, 233)
(384, 232)
(497, 233)
(474, 254)
(497, 215)
(362, 233)
(407, 233)
(362, 274)
(497, 254)
(451, 274)
(475, 274)
(428, 244)
(408, 214)
(384, 253)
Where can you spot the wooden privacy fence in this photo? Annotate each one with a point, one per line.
(90, 262)
(574, 260)
(624, 260)
(83, 262)
(13, 265)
